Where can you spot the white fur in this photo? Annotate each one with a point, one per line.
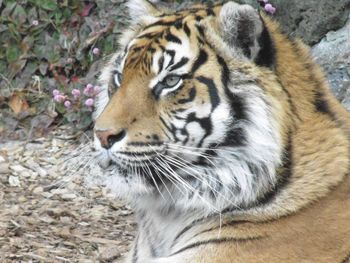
(141, 9)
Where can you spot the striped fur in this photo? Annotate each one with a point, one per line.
(234, 148)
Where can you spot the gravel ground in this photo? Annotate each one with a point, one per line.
(49, 215)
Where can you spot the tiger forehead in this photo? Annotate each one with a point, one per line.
(156, 35)
(196, 11)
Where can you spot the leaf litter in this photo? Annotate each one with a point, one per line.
(47, 212)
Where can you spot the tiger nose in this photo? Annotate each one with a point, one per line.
(109, 137)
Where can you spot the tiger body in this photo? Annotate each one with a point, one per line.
(225, 139)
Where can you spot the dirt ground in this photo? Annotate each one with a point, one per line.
(49, 215)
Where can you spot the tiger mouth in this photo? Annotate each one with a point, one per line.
(130, 160)
(148, 170)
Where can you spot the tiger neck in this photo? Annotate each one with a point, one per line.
(317, 156)
(159, 232)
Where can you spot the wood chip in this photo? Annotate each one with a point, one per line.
(48, 216)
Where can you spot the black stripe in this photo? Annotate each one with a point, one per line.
(198, 18)
(179, 118)
(205, 124)
(322, 106)
(146, 154)
(148, 235)
(132, 61)
(201, 59)
(238, 106)
(137, 49)
(163, 23)
(231, 223)
(171, 53)
(320, 101)
(190, 98)
(145, 143)
(188, 227)
(164, 123)
(212, 90)
(187, 30)
(200, 30)
(177, 110)
(236, 135)
(217, 241)
(179, 64)
(210, 12)
(172, 38)
(285, 173)
(161, 64)
(134, 255)
(172, 129)
(148, 35)
(244, 39)
(155, 137)
(178, 24)
(152, 50)
(201, 220)
(292, 106)
(225, 72)
(267, 53)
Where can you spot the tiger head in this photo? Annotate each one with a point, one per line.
(190, 110)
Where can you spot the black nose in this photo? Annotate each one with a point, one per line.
(109, 137)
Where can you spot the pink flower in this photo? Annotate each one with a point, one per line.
(96, 51)
(97, 90)
(89, 90)
(76, 93)
(56, 92)
(67, 104)
(35, 23)
(89, 102)
(59, 98)
(270, 9)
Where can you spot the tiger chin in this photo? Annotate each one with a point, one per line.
(223, 136)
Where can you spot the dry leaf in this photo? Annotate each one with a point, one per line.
(18, 104)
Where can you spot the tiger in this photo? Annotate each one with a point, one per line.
(222, 135)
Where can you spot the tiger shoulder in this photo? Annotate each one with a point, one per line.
(222, 134)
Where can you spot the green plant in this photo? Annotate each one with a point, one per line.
(47, 45)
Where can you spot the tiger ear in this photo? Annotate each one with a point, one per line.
(243, 30)
(138, 9)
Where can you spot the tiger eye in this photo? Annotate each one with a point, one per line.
(172, 80)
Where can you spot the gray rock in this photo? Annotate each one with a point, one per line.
(311, 19)
(42, 172)
(17, 168)
(306, 19)
(68, 196)
(333, 54)
(14, 181)
(4, 168)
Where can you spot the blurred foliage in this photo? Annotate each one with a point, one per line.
(46, 45)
